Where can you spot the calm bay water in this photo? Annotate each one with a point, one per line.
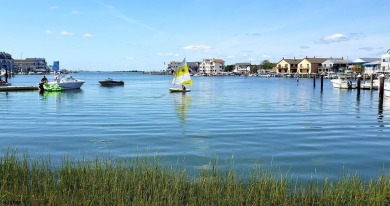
(276, 122)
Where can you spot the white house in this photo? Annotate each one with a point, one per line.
(333, 65)
(385, 62)
(372, 67)
(211, 66)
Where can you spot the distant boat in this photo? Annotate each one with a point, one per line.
(181, 77)
(111, 82)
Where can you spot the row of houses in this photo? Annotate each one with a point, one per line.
(333, 65)
(306, 66)
(207, 66)
(28, 65)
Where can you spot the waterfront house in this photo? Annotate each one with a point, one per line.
(172, 66)
(357, 64)
(309, 66)
(333, 65)
(31, 65)
(287, 66)
(193, 67)
(385, 62)
(211, 66)
(372, 67)
(6, 61)
(241, 68)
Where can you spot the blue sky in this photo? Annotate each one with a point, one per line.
(144, 34)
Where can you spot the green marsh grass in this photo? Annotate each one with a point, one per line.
(142, 181)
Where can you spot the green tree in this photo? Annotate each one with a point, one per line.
(229, 68)
(267, 65)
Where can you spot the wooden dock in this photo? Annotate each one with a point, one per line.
(18, 88)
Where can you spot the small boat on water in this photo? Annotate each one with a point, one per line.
(343, 83)
(367, 85)
(111, 82)
(386, 88)
(181, 77)
(51, 87)
(67, 82)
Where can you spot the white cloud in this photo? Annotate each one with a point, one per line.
(65, 33)
(75, 12)
(54, 7)
(200, 48)
(87, 35)
(231, 57)
(48, 31)
(168, 54)
(334, 38)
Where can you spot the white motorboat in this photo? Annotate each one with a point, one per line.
(68, 82)
(367, 85)
(343, 83)
(386, 88)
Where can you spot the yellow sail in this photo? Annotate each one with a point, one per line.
(182, 74)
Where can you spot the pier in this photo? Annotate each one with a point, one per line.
(17, 88)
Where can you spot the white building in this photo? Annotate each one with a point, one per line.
(32, 65)
(333, 65)
(372, 67)
(242, 68)
(211, 66)
(385, 62)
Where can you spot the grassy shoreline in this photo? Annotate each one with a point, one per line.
(142, 181)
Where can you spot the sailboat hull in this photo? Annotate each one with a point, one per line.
(179, 90)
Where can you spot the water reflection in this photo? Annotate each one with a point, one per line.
(182, 102)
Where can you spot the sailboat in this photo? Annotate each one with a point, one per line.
(181, 77)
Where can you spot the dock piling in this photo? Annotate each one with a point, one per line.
(381, 87)
(359, 77)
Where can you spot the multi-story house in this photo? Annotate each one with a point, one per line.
(31, 65)
(357, 64)
(193, 67)
(333, 65)
(372, 67)
(310, 66)
(211, 66)
(385, 62)
(172, 66)
(288, 66)
(6, 61)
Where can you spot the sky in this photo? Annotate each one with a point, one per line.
(117, 35)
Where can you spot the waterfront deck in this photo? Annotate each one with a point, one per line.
(18, 88)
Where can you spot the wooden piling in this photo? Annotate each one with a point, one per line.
(371, 81)
(314, 81)
(322, 82)
(381, 87)
(358, 84)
